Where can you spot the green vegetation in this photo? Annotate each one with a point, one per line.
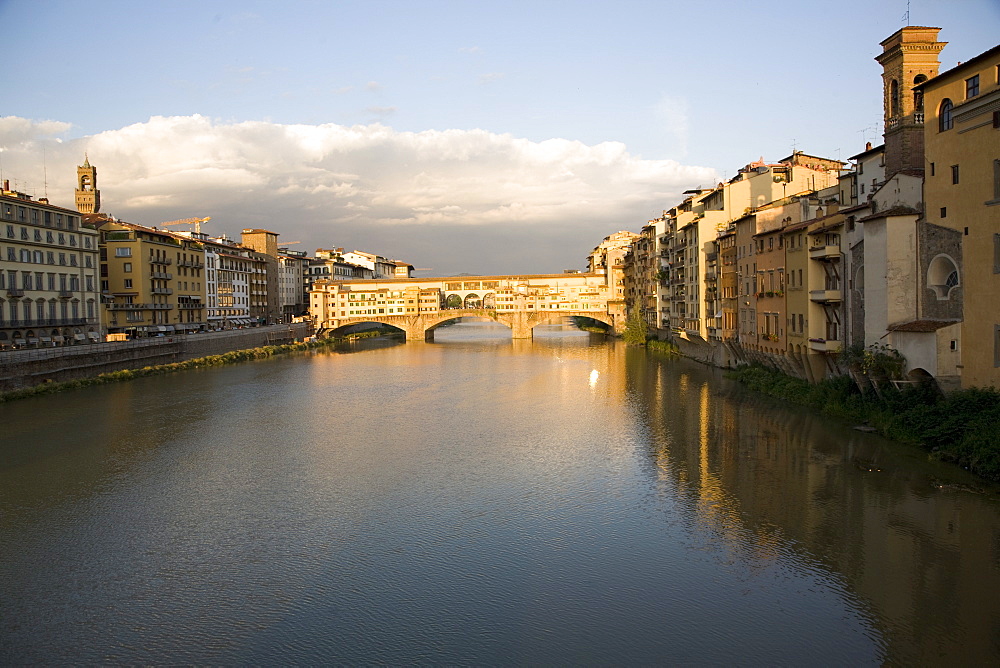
(232, 357)
(663, 347)
(636, 329)
(962, 427)
(453, 301)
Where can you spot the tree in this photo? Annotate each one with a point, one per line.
(453, 301)
(636, 329)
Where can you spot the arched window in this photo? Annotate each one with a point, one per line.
(918, 95)
(942, 276)
(893, 99)
(945, 121)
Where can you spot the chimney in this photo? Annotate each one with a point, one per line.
(868, 146)
(6, 185)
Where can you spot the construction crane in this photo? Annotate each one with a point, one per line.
(189, 221)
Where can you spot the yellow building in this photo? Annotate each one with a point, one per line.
(152, 279)
(962, 192)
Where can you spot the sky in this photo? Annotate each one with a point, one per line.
(461, 137)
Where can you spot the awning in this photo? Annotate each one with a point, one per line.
(58, 339)
(169, 328)
(32, 339)
(93, 335)
(46, 339)
(79, 337)
(159, 328)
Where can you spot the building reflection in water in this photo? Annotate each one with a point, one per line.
(915, 542)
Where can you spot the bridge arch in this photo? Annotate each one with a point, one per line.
(347, 328)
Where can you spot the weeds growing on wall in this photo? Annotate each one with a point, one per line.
(232, 357)
(663, 347)
(962, 427)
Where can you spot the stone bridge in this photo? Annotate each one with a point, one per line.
(417, 306)
(420, 327)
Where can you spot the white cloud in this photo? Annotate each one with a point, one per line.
(490, 77)
(18, 132)
(459, 200)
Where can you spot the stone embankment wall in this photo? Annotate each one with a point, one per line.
(20, 369)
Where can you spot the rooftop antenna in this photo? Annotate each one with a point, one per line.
(45, 172)
(906, 16)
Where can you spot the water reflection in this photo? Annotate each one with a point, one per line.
(478, 500)
(904, 537)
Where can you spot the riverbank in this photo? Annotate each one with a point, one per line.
(231, 357)
(962, 426)
(23, 369)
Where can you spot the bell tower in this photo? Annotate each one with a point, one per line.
(88, 197)
(909, 57)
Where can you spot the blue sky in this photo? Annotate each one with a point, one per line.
(459, 136)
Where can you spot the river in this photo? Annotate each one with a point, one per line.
(480, 501)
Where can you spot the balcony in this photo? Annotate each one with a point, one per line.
(822, 296)
(163, 275)
(15, 292)
(161, 260)
(50, 322)
(824, 253)
(65, 294)
(162, 291)
(825, 346)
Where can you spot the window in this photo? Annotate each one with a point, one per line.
(123, 251)
(972, 86)
(954, 173)
(894, 99)
(942, 276)
(996, 182)
(127, 267)
(932, 169)
(128, 283)
(944, 212)
(918, 95)
(945, 121)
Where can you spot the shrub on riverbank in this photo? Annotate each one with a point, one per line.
(963, 426)
(232, 357)
(663, 347)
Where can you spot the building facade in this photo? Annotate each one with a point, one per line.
(49, 291)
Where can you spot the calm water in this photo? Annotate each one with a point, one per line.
(479, 501)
